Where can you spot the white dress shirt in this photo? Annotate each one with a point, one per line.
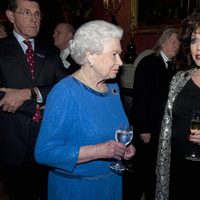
(63, 55)
(165, 58)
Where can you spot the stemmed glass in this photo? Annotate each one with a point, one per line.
(123, 135)
(194, 125)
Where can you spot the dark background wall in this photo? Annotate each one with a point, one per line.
(76, 13)
(80, 11)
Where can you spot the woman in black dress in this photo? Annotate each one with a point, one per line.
(176, 175)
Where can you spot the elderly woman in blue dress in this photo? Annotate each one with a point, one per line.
(177, 176)
(83, 111)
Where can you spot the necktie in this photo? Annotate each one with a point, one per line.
(170, 69)
(31, 62)
(30, 57)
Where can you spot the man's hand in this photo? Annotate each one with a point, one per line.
(14, 98)
(145, 137)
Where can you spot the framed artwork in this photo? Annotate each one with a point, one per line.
(76, 12)
(153, 14)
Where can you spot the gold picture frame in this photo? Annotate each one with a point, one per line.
(134, 12)
(186, 6)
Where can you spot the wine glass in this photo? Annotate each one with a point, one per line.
(124, 136)
(194, 125)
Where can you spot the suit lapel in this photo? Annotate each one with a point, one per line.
(162, 63)
(17, 50)
(40, 56)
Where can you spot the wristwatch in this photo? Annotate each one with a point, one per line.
(33, 95)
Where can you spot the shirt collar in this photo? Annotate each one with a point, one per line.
(165, 58)
(20, 39)
(64, 53)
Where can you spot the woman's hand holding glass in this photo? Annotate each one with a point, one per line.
(124, 137)
(130, 152)
(194, 136)
(107, 150)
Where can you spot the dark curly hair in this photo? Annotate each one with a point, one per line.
(189, 25)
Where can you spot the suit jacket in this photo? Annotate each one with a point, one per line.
(17, 130)
(150, 91)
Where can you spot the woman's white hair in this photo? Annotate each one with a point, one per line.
(90, 37)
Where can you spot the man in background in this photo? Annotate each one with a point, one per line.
(150, 91)
(28, 71)
(63, 33)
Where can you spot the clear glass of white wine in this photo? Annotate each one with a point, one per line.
(194, 125)
(123, 135)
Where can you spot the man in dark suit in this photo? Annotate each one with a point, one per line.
(22, 99)
(63, 33)
(151, 84)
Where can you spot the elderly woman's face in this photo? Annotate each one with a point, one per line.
(195, 46)
(106, 64)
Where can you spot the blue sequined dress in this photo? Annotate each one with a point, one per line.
(76, 115)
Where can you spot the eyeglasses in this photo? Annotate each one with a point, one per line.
(28, 14)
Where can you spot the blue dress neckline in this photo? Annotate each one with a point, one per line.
(92, 90)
